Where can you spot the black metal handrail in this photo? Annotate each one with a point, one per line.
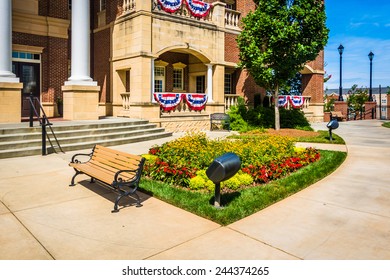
(44, 122)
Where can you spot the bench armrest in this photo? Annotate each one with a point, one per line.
(75, 160)
(118, 173)
(137, 172)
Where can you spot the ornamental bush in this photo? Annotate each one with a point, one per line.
(182, 162)
(244, 119)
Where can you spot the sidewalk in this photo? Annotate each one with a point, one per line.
(344, 216)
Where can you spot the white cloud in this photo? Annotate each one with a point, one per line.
(355, 62)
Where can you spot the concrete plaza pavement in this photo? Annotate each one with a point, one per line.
(344, 216)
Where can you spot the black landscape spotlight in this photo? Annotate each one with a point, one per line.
(333, 124)
(221, 169)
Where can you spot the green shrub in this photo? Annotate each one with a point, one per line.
(240, 179)
(292, 118)
(202, 182)
(243, 119)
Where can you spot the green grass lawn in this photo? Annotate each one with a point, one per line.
(237, 205)
(323, 137)
(386, 124)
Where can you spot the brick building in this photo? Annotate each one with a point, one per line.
(109, 58)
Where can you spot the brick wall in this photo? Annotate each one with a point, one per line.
(231, 48)
(56, 9)
(245, 6)
(312, 85)
(101, 63)
(54, 62)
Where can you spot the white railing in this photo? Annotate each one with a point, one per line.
(232, 18)
(125, 100)
(128, 6)
(230, 100)
(306, 103)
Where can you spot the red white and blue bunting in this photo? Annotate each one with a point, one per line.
(170, 6)
(196, 101)
(168, 101)
(198, 8)
(296, 101)
(282, 100)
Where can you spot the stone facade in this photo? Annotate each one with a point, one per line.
(129, 39)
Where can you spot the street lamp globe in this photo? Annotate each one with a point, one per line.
(371, 56)
(341, 49)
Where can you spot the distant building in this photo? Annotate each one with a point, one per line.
(379, 95)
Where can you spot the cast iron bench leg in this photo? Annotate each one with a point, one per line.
(72, 184)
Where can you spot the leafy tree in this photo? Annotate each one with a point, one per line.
(278, 38)
(293, 86)
(357, 97)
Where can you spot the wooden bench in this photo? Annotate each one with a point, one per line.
(337, 115)
(219, 120)
(120, 171)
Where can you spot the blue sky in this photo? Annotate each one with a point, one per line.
(360, 26)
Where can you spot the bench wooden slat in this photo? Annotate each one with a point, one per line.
(119, 161)
(114, 164)
(110, 170)
(91, 171)
(118, 153)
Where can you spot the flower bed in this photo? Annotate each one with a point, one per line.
(182, 162)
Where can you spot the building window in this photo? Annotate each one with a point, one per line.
(178, 79)
(70, 4)
(158, 86)
(228, 84)
(102, 5)
(231, 5)
(159, 79)
(26, 56)
(200, 84)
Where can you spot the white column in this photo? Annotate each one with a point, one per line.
(152, 81)
(6, 74)
(80, 56)
(209, 82)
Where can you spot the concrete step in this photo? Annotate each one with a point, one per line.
(37, 150)
(70, 139)
(24, 141)
(71, 131)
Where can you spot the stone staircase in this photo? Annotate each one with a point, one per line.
(20, 140)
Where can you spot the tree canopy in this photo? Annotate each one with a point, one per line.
(278, 38)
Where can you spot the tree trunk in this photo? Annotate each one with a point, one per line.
(277, 116)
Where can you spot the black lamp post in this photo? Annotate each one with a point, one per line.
(341, 50)
(370, 56)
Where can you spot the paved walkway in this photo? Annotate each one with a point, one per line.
(344, 216)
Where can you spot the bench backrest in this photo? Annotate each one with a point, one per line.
(336, 113)
(219, 116)
(113, 160)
